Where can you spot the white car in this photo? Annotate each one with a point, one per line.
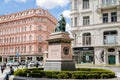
(32, 64)
(9, 63)
(16, 64)
(40, 63)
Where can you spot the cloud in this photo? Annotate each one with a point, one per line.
(51, 4)
(21, 0)
(6, 1)
(66, 13)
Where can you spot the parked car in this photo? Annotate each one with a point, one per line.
(9, 63)
(16, 63)
(22, 63)
(35, 64)
(32, 64)
(40, 63)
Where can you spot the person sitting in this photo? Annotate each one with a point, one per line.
(9, 73)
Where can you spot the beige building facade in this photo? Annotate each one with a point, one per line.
(95, 27)
(23, 35)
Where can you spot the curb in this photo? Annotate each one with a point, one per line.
(28, 78)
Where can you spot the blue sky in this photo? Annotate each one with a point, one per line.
(55, 7)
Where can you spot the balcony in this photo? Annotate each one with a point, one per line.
(74, 11)
(108, 5)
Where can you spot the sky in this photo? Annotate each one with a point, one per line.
(55, 7)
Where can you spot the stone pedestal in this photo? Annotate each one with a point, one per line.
(59, 52)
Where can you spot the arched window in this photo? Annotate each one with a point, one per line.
(86, 39)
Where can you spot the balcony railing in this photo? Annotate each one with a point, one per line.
(21, 53)
(109, 4)
(22, 42)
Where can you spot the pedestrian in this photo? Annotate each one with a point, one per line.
(26, 64)
(37, 65)
(2, 68)
(11, 70)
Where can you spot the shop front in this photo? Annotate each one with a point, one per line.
(83, 55)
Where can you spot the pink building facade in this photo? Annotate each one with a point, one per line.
(23, 35)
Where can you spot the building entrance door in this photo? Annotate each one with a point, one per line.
(111, 59)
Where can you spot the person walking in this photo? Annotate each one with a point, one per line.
(11, 70)
(37, 64)
(2, 68)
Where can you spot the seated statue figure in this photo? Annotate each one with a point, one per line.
(60, 27)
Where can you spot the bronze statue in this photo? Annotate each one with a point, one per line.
(60, 27)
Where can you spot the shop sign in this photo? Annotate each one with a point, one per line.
(83, 48)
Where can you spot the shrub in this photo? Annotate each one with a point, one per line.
(62, 76)
(104, 76)
(80, 73)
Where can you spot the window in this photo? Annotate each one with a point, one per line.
(21, 38)
(30, 27)
(75, 39)
(75, 21)
(39, 28)
(24, 48)
(86, 21)
(25, 28)
(75, 5)
(71, 6)
(105, 18)
(24, 38)
(39, 48)
(86, 39)
(30, 37)
(72, 22)
(114, 17)
(85, 4)
(21, 49)
(110, 37)
(39, 38)
(30, 48)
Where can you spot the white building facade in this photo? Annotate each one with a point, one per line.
(95, 26)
